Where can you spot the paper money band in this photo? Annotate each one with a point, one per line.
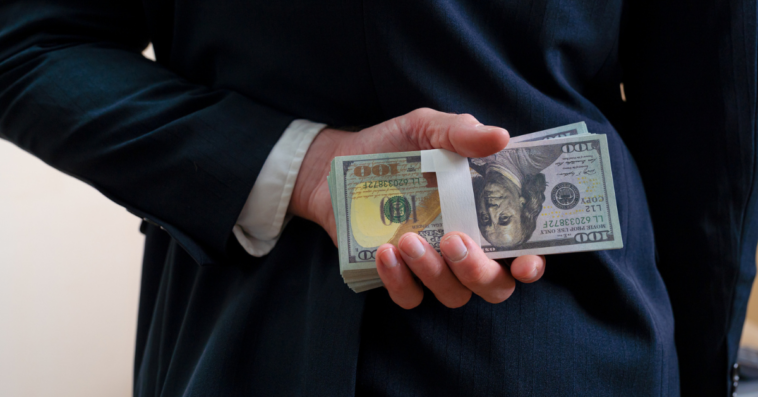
(456, 191)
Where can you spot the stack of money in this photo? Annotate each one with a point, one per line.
(548, 192)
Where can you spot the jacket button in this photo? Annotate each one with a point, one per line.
(735, 378)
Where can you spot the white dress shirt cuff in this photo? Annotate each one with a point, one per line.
(265, 212)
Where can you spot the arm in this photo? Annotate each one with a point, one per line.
(75, 92)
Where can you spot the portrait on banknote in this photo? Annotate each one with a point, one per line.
(509, 190)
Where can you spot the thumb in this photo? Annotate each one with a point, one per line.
(460, 133)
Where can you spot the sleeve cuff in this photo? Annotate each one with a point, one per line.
(265, 212)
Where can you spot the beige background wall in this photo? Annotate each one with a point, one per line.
(69, 284)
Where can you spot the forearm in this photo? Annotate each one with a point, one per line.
(86, 102)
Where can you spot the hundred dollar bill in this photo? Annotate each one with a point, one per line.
(565, 131)
(380, 197)
(552, 133)
(550, 195)
(360, 286)
(546, 197)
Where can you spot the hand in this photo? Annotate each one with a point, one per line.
(465, 269)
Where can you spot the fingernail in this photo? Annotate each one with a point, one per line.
(533, 274)
(453, 248)
(488, 128)
(388, 258)
(412, 247)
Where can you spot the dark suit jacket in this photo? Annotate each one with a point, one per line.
(181, 141)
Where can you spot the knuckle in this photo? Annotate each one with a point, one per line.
(391, 284)
(500, 295)
(468, 118)
(429, 264)
(415, 123)
(423, 112)
(409, 303)
(471, 272)
(456, 300)
(426, 269)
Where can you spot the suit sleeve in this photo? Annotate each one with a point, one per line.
(76, 92)
(689, 72)
(264, 215)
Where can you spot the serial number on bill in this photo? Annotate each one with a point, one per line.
(584, 220)
(392, 183)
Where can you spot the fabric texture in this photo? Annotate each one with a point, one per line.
(182, 141)
(264, 214)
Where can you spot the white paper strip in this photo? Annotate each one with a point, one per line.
(455, 189)
(427, 160)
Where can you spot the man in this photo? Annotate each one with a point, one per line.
(212, 146)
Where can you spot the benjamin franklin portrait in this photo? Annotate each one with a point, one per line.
(509, 189)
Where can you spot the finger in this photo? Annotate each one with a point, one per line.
(432, 270)
(397, 278)
(467, 136)
(461, 133)
(528, 268)
(480, 274)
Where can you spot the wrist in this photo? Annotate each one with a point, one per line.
(313, 172)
